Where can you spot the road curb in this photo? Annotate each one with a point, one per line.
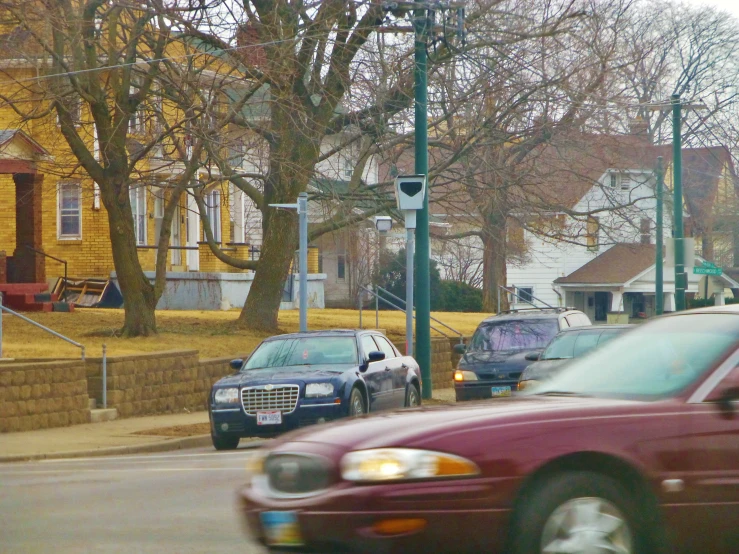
(182, 443)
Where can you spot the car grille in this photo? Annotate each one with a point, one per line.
(270, 397)
(296, 474)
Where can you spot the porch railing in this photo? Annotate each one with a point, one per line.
(64, 262)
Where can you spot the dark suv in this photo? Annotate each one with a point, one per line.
(497, 354)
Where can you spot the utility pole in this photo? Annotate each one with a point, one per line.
(681, 279)
(659, 277)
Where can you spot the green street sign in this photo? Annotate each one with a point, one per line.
(709, 264)
(716, 271)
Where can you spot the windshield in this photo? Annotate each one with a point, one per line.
(657, 360)
(561, 347)
(514, 335)
(303, 351)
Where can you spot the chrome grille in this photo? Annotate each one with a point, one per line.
(270, 397)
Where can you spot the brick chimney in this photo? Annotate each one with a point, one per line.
(249, 43)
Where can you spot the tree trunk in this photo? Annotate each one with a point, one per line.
(138, 292)
(263, 302)
(494, 266)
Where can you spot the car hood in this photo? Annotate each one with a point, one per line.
(488, 361)
(445, 427)
(284, 374)
(544, 369)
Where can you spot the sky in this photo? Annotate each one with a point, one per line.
(731, 6)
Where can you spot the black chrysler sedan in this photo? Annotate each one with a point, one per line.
(294, 380)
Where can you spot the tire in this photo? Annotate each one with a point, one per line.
(591, 506)
(225, 443)
(412, 396)
(356, 403)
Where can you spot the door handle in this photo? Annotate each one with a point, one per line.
(404, 366)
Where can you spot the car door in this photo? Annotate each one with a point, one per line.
(711, 447)
(398, 369)
(379, 377)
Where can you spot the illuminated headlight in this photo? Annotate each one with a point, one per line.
(313, 390)
(528, 384)
(461, 375)
(396, 464)
(226, 396)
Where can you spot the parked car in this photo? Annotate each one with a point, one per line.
(641, 456)
(496, 355)
(294, 380)
(567, 345)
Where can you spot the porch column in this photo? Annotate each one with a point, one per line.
(669, 302)
(193, 233)
(719, 297)
(617, 301)
(237, 207)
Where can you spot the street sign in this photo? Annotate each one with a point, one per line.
(709, 264)
(716, 271)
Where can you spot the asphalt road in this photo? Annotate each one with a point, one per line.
(181, 502)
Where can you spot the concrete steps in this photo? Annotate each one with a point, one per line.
(100, 415)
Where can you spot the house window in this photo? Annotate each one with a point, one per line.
(213, 213)
(593, 228)
(73, 105)
(341, 266)
(625, 183)
(347, 168)
(524, 294)
(613, 180)
(137, 121)
(70, 210)
(158, 214)
(138, 209)
(95, 196)
(645, 230)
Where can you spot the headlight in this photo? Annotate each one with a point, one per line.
(318, 389)
(226, 396)
(394, 464)
(528, 384)
(461, 375)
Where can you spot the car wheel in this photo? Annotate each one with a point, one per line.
(578, 512)
(412, 397)
(356, 403)
(225, 443)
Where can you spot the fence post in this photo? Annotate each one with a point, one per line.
(105, 377)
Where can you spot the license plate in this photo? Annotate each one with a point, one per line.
(500, 391)
(281, 528)
(273, 417)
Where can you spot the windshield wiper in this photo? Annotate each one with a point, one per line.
(563, 393)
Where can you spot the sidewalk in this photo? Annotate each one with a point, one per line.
(124, 436)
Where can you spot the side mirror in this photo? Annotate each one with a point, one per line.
(236, 364)
(532, 356)
(376, 356)
(460, 349)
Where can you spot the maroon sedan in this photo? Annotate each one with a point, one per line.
(632, 449)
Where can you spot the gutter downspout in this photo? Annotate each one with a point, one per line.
(559, 295)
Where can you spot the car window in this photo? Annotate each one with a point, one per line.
(368, 345)
(385, 346)
(609, 334)
(561, 347)
(658, 359)
(586, 341)
(513, 335)
(303, 351)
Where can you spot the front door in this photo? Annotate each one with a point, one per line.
(379, 378)
(27, 264)
(397, 368)
(601, 306)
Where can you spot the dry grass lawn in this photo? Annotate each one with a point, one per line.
(211, 333)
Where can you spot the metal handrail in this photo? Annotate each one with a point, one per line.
(452, 329)
(37, 324)
(386, 301)
(514, 293)
(64, 295)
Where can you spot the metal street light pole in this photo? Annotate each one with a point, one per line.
(677, 221)
(659, 277)
(423, 251)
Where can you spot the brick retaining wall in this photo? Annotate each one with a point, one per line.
(39, 395)
(156, 383)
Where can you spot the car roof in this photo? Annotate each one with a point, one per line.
(727, 309)
(321, 333)
(539, 313)
(603, 327)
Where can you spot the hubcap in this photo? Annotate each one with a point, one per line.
(413, 398)
(586, 526)
(357, 406)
